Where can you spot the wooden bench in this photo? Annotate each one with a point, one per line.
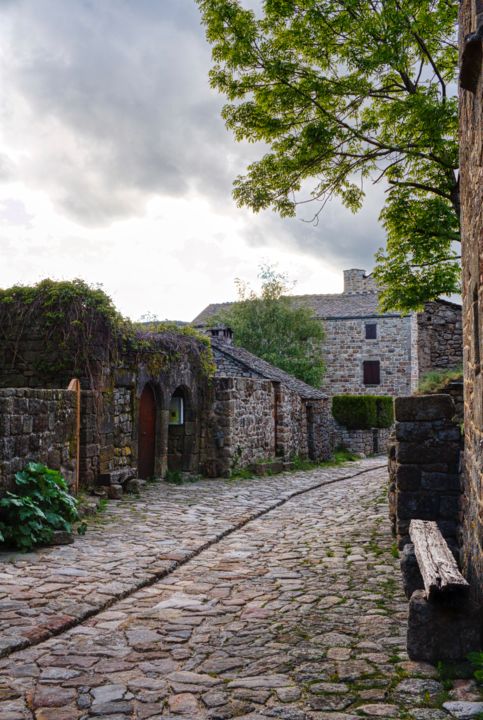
(437, 565)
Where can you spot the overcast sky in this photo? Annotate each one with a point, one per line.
(116, 167)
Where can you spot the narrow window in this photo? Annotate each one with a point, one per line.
(372, 372)
(371, 331)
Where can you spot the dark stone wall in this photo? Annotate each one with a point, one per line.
(37, 425)
(440, 337)
(471, 188)
(424, 458)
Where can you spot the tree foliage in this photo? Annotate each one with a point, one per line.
(344, 92)
(270, 326)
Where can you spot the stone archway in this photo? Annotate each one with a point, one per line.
(147, 433)
(181, 431)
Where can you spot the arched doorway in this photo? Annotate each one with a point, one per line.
(147, 433)
(181, 431)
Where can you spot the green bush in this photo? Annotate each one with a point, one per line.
(40, 504)
(384, 411)
(362, 412)
(436, 380)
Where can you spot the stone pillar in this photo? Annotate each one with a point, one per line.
(425, 465)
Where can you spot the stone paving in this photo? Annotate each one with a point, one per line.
(136, 541)
(297, 615)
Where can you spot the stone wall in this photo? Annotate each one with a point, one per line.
(471, 190)
(37, 425)
(244, 421)
(440, 337)
(345, 348)
(424, 460)
(256, 419)
(367, 442)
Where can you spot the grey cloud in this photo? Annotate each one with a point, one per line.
(130, 80)
(122, 110)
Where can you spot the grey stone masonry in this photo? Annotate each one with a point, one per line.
(37, 425)
(357, 331)
(424, 465)
(471, 193)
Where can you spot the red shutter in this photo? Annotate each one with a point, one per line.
(372, 372)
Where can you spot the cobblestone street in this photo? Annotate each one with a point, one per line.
(298, 614)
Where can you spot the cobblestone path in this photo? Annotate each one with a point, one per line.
(136, 541)
(298, 615)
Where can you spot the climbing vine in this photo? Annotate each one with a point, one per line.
(68, 328)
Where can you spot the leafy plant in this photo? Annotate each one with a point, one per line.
(476, 659)
(40, 505)
(271, 326)
(340, 93)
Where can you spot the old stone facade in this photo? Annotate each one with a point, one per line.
(262, 412)
(369, 352)
(148, 406)
(471, 189)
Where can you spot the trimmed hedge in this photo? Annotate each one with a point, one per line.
(362, 412)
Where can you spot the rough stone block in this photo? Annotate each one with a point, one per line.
(427, 452)
(424, 407)
(413, 506)
(408, 477)
(411, 576)
(439, 632)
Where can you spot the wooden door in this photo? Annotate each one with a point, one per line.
(147, 433)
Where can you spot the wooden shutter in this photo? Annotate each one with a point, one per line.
(372, 372)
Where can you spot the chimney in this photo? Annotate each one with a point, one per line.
(222, 333)
(356, 281)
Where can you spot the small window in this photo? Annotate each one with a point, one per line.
(371, 331)
(176, 411)
(372, 372)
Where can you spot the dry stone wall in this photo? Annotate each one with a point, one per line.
(256, 419)
(243, 411)
(440, 337)
(38, 425)
(366, 442)
(424, 457)
(471, 191)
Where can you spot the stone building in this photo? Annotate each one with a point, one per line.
(146, 402)
(471, 190)
(370, 352)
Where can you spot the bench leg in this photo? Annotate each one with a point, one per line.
(439, 632)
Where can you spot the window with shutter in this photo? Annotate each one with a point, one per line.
(371, 331)
(372, 372)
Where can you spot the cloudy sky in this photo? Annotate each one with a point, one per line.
(116, 167)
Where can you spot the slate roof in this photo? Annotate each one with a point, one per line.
(263, 369)
(364, 304)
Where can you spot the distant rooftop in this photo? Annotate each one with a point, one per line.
(265, 370)
(359, 299)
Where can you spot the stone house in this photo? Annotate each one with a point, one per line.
(471, 191)
(144, 404)
(370, 352)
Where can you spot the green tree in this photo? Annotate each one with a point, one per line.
(344, 92)
(271, 326)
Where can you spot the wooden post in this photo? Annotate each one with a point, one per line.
(75, 386)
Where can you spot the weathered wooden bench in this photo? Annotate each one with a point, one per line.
(437, 565)
(443, 621)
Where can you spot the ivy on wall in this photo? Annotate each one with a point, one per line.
(68, 328)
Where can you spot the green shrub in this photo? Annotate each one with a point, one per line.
(437, 380)
(384, 411)
(40, 504)
(362, 412)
